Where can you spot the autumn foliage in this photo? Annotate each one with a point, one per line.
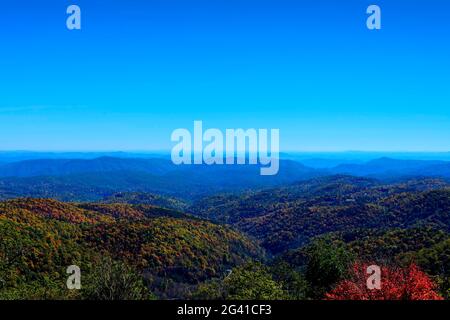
(408, 283)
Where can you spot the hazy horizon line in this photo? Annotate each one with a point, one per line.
(169, 151)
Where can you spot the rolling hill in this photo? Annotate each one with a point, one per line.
(288, 217)
(41, 238)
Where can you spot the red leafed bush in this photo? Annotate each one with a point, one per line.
(396, 284)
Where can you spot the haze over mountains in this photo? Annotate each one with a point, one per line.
(91, 179)
(394, 168)
(61, 167)
(29, 164)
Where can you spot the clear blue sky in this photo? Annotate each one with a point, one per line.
(139, 69)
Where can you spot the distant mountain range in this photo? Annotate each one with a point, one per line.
(99, 178)
(15, 156)
(379, 168)
(61, 167)
(95, 179)
(388, 168)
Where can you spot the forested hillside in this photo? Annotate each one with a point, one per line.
(168, 251)
(288, 217)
